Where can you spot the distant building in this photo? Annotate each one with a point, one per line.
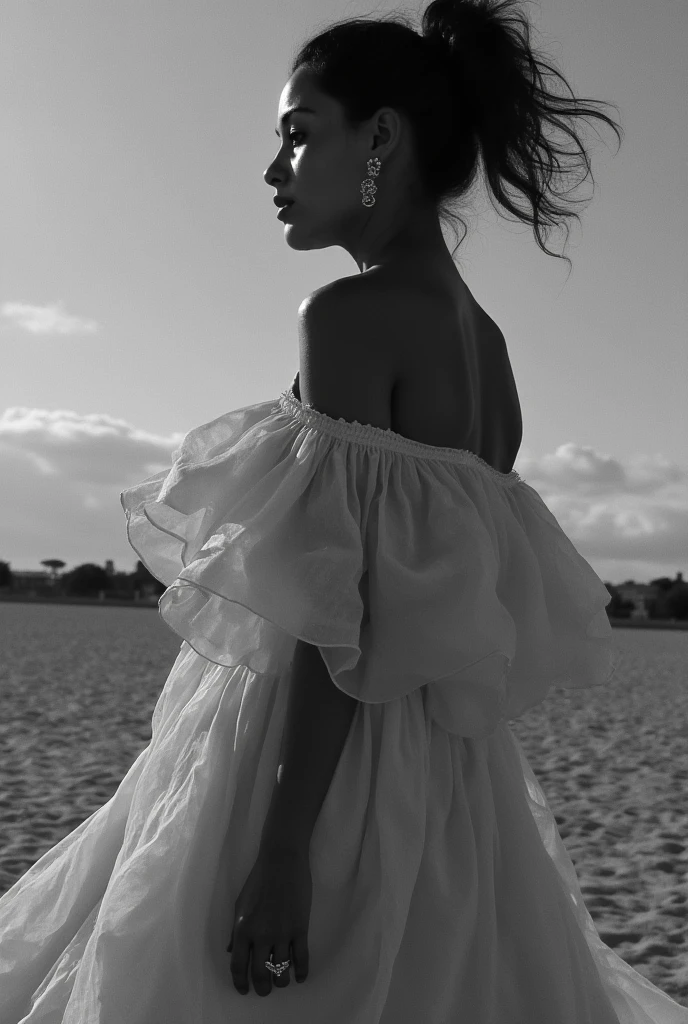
(640, 594)
(31, 582)
(25, 578)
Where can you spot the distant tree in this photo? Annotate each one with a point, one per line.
(54, 564)
(676, 599)
(661, 583)
(617, 607)
(141, 573)
(143, 576)
(657, 606)
(6, 575)
(87, 579)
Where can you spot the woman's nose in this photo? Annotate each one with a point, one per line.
(271, 175)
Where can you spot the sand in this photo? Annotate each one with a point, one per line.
(613, 762)
(79, 684)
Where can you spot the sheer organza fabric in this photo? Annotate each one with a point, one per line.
(443, 596)
(408, 565)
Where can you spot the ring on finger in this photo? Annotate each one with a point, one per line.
(279, 964)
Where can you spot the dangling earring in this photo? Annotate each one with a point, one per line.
(368, 188)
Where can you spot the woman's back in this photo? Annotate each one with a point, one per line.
(452, 382)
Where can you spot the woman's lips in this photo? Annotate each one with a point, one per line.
(284, 210)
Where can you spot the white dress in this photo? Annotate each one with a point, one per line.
(445, 597)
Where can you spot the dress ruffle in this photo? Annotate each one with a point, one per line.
(408, 565)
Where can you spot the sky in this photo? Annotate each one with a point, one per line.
(146, 287)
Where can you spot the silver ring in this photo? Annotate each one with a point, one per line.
(277, 968)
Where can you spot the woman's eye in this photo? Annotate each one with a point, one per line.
(294, 134)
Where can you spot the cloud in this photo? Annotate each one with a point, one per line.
(582, 470)
(50, 319)
(84, 448)
(62, 472)
(631, 512)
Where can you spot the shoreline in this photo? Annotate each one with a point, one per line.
(144, 602)
(153, 603)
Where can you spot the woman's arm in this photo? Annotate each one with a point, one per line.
(317, 723)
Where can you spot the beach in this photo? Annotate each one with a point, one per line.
(79, 684)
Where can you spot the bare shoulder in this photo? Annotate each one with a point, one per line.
(377, 297)
(346, 349)
(380, 315)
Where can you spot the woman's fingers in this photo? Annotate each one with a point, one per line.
(260, 974)
(243, 952)
(299, 946)
(239, 963)
(280, 954)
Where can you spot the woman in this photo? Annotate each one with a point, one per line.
(383, 837)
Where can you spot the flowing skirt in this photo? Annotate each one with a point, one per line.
(442, 891)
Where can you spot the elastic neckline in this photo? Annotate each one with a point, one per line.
(382, 437)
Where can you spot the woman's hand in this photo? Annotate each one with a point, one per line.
(271, 914)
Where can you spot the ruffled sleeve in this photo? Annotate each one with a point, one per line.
(406, 564)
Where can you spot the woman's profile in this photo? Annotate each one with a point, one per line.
(333, 822)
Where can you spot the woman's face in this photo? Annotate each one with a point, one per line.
(320, 164)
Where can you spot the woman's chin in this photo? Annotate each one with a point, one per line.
(293, 240)
(300, 240)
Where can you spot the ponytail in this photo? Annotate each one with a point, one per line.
(475, 93)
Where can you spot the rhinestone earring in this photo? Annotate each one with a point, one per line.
(368, 188)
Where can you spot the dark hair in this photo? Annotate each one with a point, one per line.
(472, 87)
